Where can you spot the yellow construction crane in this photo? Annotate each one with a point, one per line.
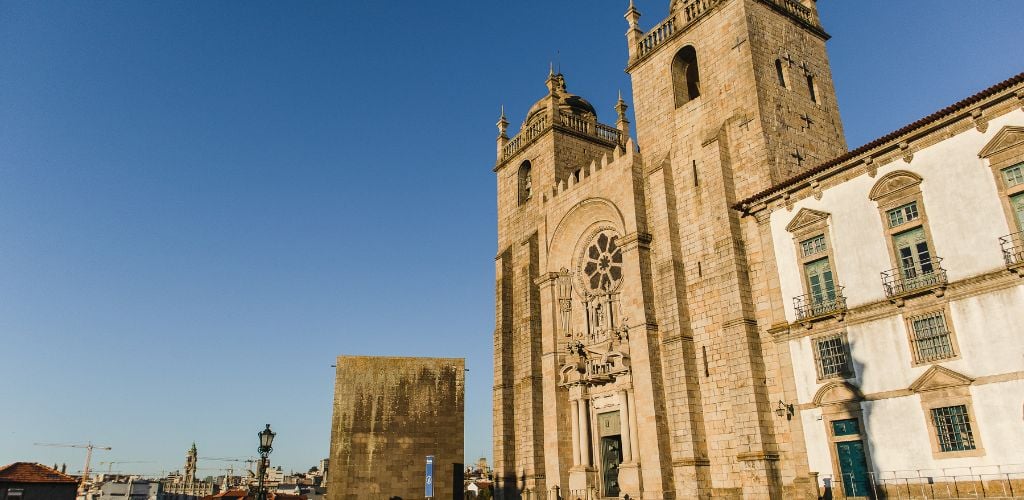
(88, 456)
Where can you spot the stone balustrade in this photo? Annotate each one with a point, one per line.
(542, 122)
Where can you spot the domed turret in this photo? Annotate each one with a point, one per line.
(567, 103)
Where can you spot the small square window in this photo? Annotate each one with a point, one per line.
(953, 427)
(931, 340)
(833, 357)
(1014, 175)
(903, 214)
(813, 246)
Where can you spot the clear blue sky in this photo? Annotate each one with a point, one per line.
(202, 203)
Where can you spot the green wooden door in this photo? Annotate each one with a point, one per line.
(819, 281)
(1017, 202)
(912, 251)
(853, 466)
(611, 457)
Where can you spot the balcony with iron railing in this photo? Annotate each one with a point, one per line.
(810, 306)
(1013, 249)
(900, 282)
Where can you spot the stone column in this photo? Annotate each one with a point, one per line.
(630, 399)
(575, 406)
(585, 442)
(627, 442)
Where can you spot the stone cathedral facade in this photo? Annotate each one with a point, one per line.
(642, 347)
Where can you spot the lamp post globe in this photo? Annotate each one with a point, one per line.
(266, 446)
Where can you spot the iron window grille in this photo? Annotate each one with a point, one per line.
(953, 426)
(833, 357)
(932, 340)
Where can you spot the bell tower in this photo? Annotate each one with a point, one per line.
(731, 97)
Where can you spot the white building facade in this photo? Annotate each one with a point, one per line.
(899, 277)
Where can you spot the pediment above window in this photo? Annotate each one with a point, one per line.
(836, 393)
(892, 183)
(1008, 137)
(807, 218)
(938, 377)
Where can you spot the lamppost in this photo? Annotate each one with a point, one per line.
(266, 442)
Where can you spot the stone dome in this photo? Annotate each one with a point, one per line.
(567, 102)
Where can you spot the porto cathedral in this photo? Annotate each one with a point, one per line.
(735, 305)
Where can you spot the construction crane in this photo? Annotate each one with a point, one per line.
(110, 465)
(88, 456)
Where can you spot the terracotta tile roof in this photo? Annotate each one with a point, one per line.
(948, 110)
(27, 472)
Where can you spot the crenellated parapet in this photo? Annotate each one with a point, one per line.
(620, 158)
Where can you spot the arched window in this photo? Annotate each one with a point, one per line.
(811, 89)
(780, 74)
(525, 182)
(685, 76)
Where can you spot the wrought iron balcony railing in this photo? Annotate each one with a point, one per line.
(1013, 248)
(812, 306)
(902, 281)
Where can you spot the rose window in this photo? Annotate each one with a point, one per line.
(602, 263)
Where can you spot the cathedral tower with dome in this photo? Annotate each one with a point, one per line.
(627, 353)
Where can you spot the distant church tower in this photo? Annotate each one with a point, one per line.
(190, 464)
(629, 357)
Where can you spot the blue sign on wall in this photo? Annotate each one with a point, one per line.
(429, 485)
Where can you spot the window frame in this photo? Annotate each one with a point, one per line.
(896, 190)
(922, 313)
(847, 372)
(1001, 157)
(940, 387)
(806, 225)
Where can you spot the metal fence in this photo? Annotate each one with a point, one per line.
(995, 482)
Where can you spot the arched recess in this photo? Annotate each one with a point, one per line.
(525, 182)
(685, 76)
(578, 224)
(892, 184)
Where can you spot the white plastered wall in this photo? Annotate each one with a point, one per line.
(966, 219)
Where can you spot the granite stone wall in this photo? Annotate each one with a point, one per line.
(389, 414)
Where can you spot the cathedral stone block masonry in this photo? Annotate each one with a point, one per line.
(390, 413)
(642, 345)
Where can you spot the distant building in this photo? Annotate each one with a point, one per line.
(389, 415)
(185, 486)
(31, 481)
(132, 489)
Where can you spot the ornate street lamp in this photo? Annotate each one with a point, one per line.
(266, 446)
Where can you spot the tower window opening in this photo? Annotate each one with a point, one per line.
(780, 74)
(810, 88)
(685, 76)
(525, 183)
